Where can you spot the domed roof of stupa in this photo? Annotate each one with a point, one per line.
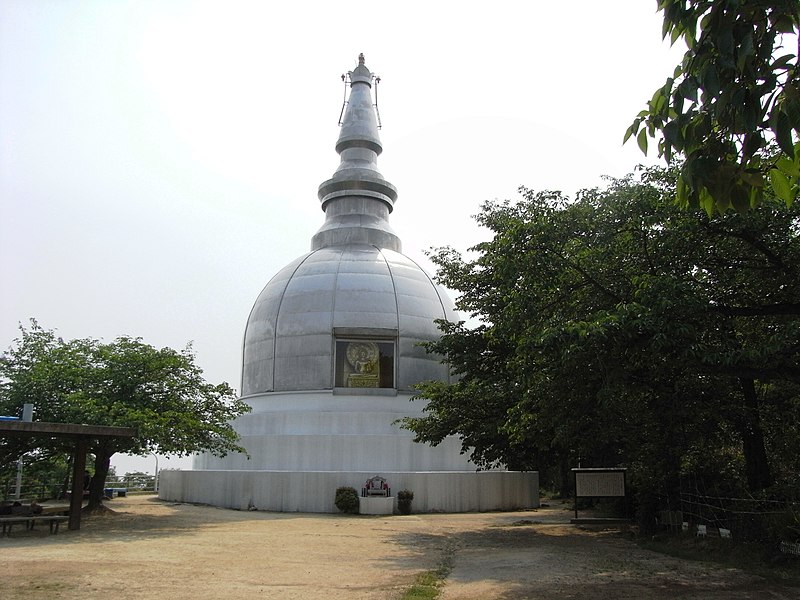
(351, 313)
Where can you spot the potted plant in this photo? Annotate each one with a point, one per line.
(404, 498)
(347, 500)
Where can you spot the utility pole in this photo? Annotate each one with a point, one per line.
(27, 416)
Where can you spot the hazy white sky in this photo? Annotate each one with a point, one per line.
(159, 160)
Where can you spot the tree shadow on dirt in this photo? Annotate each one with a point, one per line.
(121, 522)
(560, 562)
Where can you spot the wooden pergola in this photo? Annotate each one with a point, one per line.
(82, 434)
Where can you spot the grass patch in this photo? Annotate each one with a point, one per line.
(428, 584)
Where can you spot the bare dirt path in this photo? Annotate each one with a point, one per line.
(151, 549)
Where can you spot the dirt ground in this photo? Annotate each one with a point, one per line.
(152, 549)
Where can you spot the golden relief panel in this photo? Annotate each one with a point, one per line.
(363, 358)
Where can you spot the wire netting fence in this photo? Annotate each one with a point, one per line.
(747, 519)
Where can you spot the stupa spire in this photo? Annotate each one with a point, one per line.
(357, 200)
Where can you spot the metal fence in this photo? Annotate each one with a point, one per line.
(35, 489)
(30, 489)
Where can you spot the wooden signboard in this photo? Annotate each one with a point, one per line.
(598, 483)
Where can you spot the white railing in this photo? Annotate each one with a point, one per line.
(35, 489)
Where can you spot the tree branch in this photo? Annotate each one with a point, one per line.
(781, 308)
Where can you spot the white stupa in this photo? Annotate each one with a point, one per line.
(331, 355)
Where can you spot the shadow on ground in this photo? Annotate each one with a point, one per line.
(535, 560)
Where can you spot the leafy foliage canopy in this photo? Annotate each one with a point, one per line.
(127, 383)
(735, 93)
(618, 329)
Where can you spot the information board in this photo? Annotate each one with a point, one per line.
(599, 484)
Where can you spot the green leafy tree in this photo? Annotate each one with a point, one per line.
(42, 370)
(127, 383)
(731, 100)
(617, 328)
(43, 475)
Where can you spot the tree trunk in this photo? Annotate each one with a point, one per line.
(759, 475)
(566, 479)
(102, 462)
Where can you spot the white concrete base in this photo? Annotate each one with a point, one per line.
(315, 491)
(376, 505)
(301, 446)
(326, 431)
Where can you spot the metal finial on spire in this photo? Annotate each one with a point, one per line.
(361, 74)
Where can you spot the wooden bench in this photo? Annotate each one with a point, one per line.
(30, 520)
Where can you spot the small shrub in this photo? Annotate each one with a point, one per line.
(405, 495)
(347, 500)
(404, 498)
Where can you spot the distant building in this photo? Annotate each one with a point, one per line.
(331, 352)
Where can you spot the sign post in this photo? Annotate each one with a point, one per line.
(599, 483)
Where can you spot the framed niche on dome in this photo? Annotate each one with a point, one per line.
(364, 363)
